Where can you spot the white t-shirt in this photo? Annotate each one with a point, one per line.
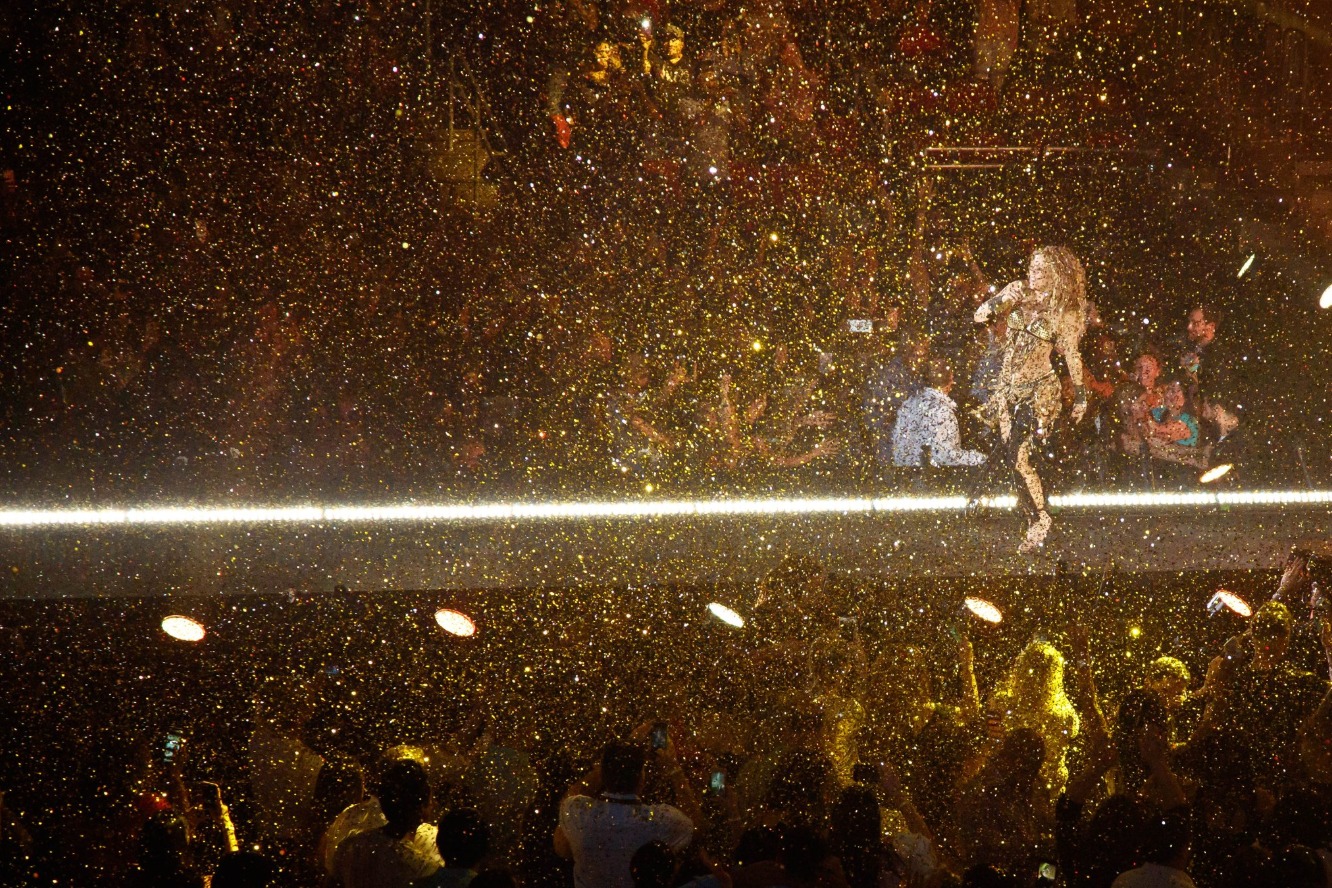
(373, 860)
(604, 833)
(1154, 875)
(283, 771)
(929, 419)
(365, 816)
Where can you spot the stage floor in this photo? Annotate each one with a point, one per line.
(132, 552)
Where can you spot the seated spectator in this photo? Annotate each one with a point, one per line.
(928, 421)
(1173, 421)
(1199, 343)
(401, 851)
(1167, 841)
(1101, 372)
(603, 821)
(887, 389)
(1172, 433)
(463, 842)
(1147, 373)
(1128, 417)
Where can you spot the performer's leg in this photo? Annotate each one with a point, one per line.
(1031, 496)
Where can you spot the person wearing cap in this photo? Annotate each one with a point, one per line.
(1267, 697)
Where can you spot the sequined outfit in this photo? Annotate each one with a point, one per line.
(1026, 400)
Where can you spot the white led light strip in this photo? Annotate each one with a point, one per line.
(630, 509)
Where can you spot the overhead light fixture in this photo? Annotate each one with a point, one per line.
(984, 610)
(1215, 473)
(1248, 263)
(455, 622)
(1325, 301)
(183, 628)
(1225, 599)
(726, 615)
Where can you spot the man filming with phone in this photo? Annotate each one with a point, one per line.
(603, 819)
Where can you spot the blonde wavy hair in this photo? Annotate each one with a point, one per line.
(1069, 294)
(1033, 693)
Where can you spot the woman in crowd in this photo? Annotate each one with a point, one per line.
(1032, 697)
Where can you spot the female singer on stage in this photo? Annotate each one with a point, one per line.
(1046, 313)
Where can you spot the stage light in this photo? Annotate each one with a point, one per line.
(1325, 301)
(1215, 473)
(726, 615)
(983, 610)
(633, 509)
(1135, 631)
(455, 622)
(183, 628)
(1224, 598)
(1248, 263)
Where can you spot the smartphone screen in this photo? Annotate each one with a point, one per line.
(717, 785)
(171, 747)
(1046, 872)
(659, 735)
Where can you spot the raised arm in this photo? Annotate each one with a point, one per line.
(1000, 303)
(966, 667)
(1086, 699)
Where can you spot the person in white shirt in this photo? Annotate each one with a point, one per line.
(392, 856)
(929, 419)
(603, 822)
(283, 770)
(1167, 849)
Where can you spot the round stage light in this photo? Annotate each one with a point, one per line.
(1248, 263)
(983, 609)
(1325, 301)
(726, 615)
(1215, 473)
(455, 622)
(183, 628)
(1224, 598)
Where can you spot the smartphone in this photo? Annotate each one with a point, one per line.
(717, 783)
(210, 797)
(860, 325)
(1046, 874)
(171, 746)
(659, 735)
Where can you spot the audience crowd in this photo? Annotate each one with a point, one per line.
(821, 746)
(704, 249)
